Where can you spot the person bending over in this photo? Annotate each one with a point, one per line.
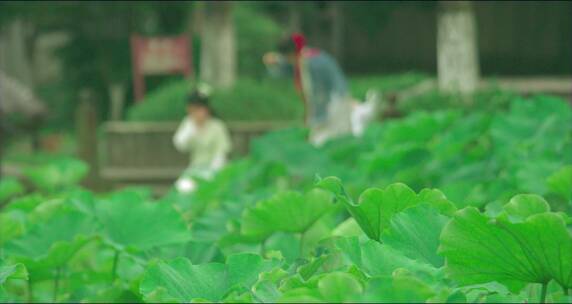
(329, 109)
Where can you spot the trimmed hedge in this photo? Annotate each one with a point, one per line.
(248, 100)
(251, 99)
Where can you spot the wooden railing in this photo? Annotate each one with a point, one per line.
(143, 152)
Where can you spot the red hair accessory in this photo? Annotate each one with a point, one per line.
(299, 40)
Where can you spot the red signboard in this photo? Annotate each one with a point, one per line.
(158, 56)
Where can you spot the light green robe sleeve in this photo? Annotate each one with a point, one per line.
(223, 140)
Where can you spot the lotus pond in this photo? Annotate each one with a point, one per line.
(442, 206)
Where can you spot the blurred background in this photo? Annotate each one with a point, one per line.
(473, 113)
(72, 85)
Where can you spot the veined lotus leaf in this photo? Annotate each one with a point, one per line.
(437, 199)
(300, 295)
(132, 193)
(14, 271)
(11, 226)
(181, 281)
(543, 122)
(243, 268)
(525, 244)
(266, 288)
(561, 183)
(375, 206)
(522, 206)
(285, 212)
(338, 287)
(58, 173)
(307, 270)
(235, 296)
(399, 287)
(10, 187)
(349, 227)
(82, 199)
(140, 225)
(377, 259)
(25, 203)
(415, 232)
(298, 157)
(51, 243)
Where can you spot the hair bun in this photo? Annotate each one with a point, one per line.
(204, 90)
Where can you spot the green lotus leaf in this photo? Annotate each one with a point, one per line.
(332, 184)
(400, 287)
(25, 203)
(285, 212)
(298, 157)
(56, 174)
(377, 259)
(300, 295)
(266, 291)
(10, 187)
(522, 206)
(11, 226)
(266, 288)
(561, 183)
(235, 296)
(535, 248)
(437, 199)
(415, 232)
(131, 222)
(474, 293)
(14, 271)
(181, 281)
(338, 287)
(349, 227)
(307, 270)
(375, 206)
(51, 243)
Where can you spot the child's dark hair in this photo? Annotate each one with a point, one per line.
(196, 98)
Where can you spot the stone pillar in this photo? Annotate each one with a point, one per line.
(218, 45)
(457, 51)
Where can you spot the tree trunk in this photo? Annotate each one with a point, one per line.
(2, 139)
(86, 135)
(337, 33)
(117, 98)
(218, 46)
(197, 18)
(14, 59)
(294, 17)
(457, 51)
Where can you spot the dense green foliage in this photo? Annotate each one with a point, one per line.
(249, 99)
(443, 206)
(258, 100)
(96, 54)
(359, 85)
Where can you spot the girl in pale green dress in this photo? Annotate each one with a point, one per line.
(205, 138)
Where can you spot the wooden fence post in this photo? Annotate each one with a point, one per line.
(86, 135)
(2, 141)
(117, 98)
